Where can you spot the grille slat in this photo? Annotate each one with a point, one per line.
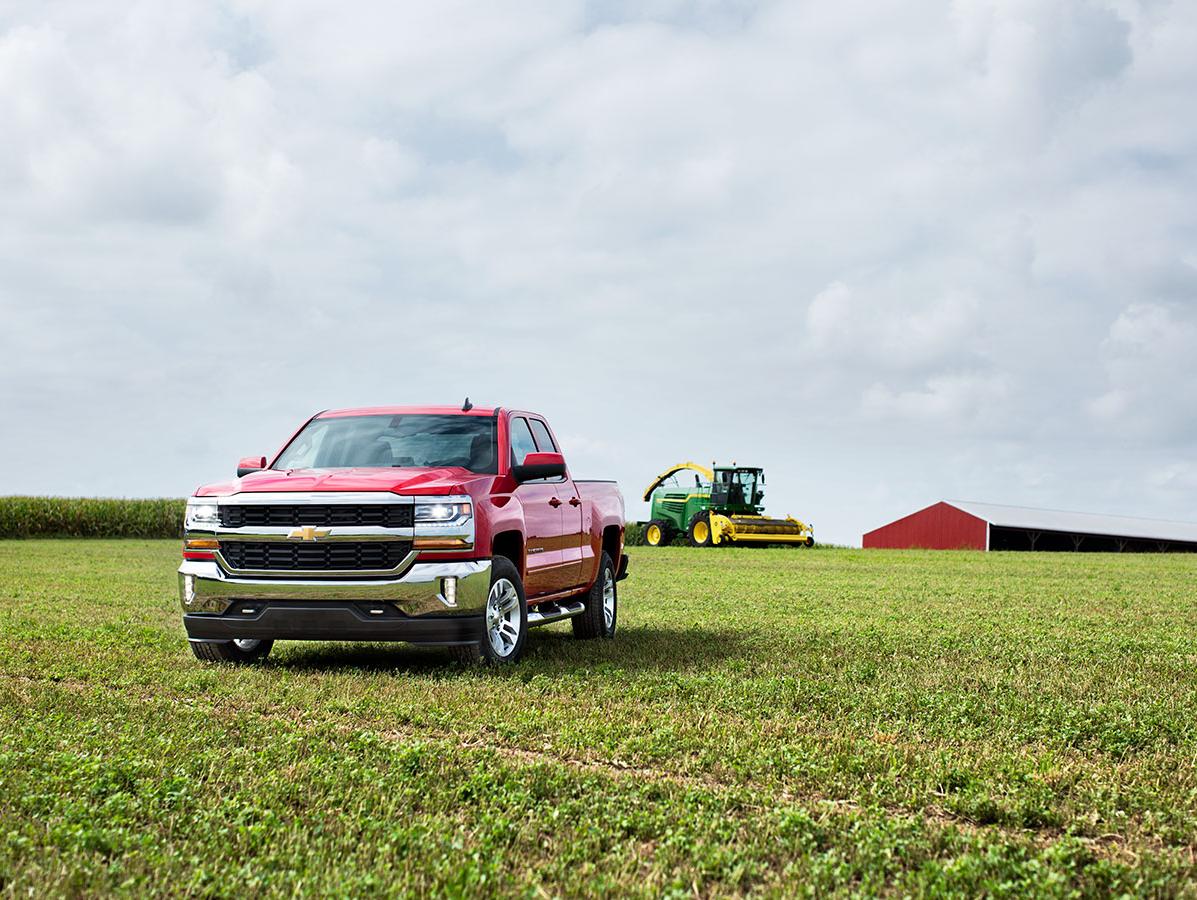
(281, 555)
(385, 515)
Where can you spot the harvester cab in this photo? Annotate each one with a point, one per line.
(736, 490)
(725, 506)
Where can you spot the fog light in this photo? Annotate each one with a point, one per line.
(449, 591)
(188, 589)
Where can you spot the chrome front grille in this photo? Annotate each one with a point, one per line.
(334, 535)
(261, 515)
(267, 556)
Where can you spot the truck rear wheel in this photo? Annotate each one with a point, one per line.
(236, 651)
(601, 615)
(505, 621)
(658, 533)
(700, 530)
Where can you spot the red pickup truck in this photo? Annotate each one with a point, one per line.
(432, 525)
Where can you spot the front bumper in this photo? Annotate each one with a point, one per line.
(314, 620)
(413, 607)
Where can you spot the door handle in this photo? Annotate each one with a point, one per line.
(554, 503)
(574, 501)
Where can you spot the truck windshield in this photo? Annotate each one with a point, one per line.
(345, 442)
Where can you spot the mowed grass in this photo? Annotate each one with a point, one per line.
(768, 721)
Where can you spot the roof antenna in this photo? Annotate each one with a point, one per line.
(467, 406)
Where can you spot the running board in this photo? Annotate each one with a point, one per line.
(554, 612)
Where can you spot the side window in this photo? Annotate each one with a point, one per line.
(521, 440)
(544, 441)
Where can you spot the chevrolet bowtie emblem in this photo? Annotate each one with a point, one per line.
(308, 533)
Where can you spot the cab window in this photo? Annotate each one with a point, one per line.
(522, 442)
(544, 440)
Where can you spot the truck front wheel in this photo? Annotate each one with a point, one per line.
(601, 615)
(238, 651)
(505, 621)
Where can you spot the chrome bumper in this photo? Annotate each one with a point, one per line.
(204, 588)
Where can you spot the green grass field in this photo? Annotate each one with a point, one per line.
(768, 721)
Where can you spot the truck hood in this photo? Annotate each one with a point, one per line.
(444, 480)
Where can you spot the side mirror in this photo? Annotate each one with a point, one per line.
(250, 464)
(539, 465)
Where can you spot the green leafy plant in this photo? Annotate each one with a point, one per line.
(24, 517)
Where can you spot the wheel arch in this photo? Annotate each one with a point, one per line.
(510, 545)
(612, 542)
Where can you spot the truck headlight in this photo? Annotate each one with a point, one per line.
(444, 523)
(202, 513)
(449, 511)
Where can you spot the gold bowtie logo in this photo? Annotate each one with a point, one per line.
(308, 533)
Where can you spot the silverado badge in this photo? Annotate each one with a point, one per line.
(308, 533)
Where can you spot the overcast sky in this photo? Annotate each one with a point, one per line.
(892, 251)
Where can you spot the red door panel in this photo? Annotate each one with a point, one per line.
(547, 567)
(544, 503)
(571, 512)
(576, 529)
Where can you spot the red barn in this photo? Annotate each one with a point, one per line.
(964, 525)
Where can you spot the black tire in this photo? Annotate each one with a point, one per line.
(241, 653)
(810, 541)
(501, 570)
(699, 531)
(592, 622)
(667, 533)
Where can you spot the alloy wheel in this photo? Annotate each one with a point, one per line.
(608, 599)
(503, 617)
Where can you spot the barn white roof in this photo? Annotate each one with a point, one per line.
(1077, 523)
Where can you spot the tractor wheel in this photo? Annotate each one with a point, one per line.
(658, 533)
(700, 530)
(810, 541)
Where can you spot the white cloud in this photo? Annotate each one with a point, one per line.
(955, 400)
(893, 328)
(831, 228)
(1150, 358)
(1038, 59)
